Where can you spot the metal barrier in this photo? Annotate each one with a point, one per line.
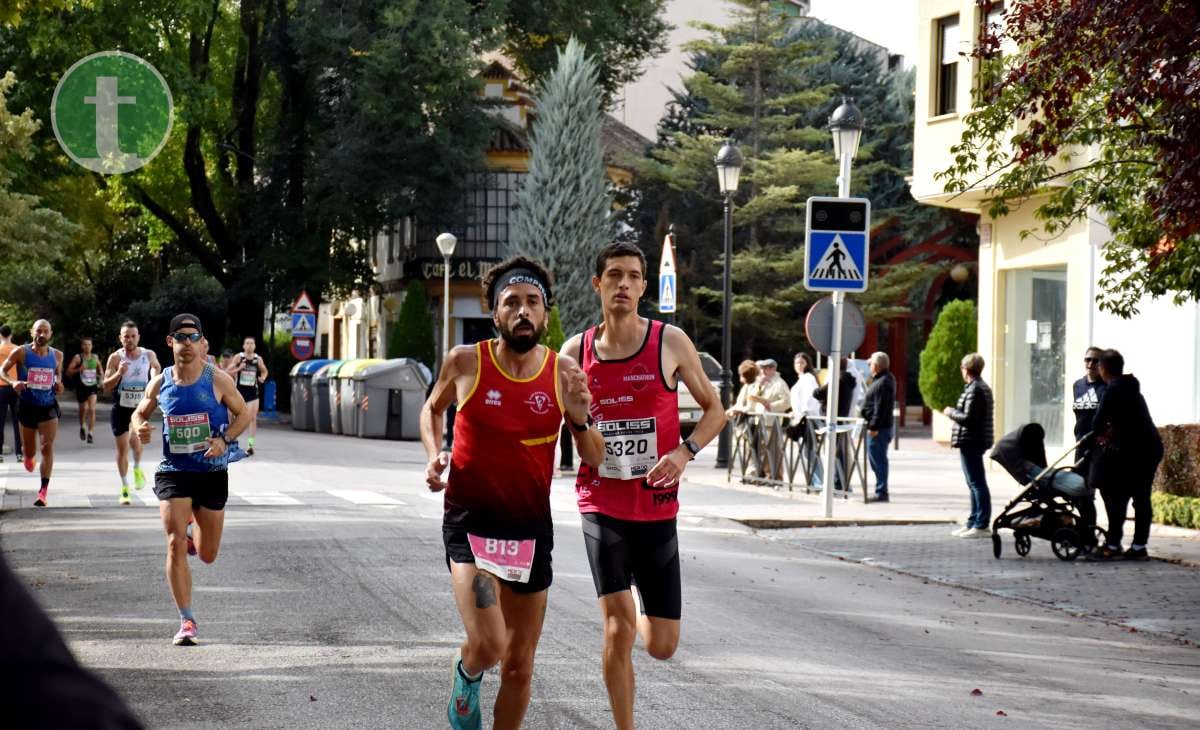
(769, 452)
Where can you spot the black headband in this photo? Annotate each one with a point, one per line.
(520, 276)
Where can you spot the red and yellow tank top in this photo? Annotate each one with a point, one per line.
(638, 416)
(505, 435)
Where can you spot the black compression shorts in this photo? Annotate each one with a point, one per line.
(249, 393)
(207, 489)
(646, 554)
(458, 549)
(120, 419)
(30, 414)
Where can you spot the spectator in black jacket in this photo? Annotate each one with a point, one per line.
(1129, 452)
(877, 407)
(973, 435)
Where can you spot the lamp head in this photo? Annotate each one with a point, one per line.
(846, 123)
(446, 243)
(729, 167)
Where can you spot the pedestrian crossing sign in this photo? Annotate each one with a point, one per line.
(304, 324)
(837, 244)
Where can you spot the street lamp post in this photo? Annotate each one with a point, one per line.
(729, 169)
(846, 124)
(446, 243)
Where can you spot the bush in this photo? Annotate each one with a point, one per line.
(1179, 472)
(953, 336)
(1170, 509)
(412, 332)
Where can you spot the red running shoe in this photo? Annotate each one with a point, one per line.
(41, 498)
(186, 636)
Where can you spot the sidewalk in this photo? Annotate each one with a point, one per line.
(927, 486)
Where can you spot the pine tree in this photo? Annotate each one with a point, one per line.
(412, 332)
(564, 204)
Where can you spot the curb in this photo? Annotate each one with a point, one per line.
(786, 523)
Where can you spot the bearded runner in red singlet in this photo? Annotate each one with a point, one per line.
(629, 502)
(513, 396)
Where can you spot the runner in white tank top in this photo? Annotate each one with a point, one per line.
(126, 375)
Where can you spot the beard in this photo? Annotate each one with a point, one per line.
(525, 340)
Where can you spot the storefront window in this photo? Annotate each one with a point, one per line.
(1034, 364)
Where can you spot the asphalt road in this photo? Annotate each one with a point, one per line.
(324, 613)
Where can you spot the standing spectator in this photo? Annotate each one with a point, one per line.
(803, 406)
(748, 373)
(973, 435)
(772, 392)
(8, 396)
(845, 404)
(1088, 391)
(878, 403)
(1130, 449)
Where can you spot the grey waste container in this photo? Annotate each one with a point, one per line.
(303, 402)
(349, 398)
(321, 402)
(392, 394)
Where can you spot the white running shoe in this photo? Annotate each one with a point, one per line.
(976, 532)
(959, 532)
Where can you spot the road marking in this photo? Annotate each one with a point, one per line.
(363, 496)
(146, 496)
(268, 498)
(67, 500)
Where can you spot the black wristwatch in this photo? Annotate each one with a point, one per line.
(582, 427)
(692, 446)
(228, 443)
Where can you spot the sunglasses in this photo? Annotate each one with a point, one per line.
(1090, 360)
(186, 336)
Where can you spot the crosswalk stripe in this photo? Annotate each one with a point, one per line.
(363, 496)
(268, 498)
(146, 496)
(67, 500)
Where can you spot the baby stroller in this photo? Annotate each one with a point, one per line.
(1051, 506)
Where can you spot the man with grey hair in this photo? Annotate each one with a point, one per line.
(773, 393)
(877, 407)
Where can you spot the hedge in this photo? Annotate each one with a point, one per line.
(1172, 510)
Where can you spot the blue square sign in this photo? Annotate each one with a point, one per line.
(837, 244)
(304, 324)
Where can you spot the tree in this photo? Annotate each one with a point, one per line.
(771, 83)
(303, 127)
(554, 336)
(412, 332)
(564, 205)
(1091, 105)
(954, 335)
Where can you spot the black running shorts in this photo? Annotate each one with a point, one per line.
(83, 392)
(645, 554)
(458, 549)
(120, 419)
(249, 393)
(31, 414)
(207, 489)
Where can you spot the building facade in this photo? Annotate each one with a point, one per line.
(358, 327)
(1037, 294)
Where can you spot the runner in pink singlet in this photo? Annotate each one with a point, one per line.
(629, 502)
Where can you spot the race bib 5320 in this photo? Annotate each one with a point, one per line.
(630, 447)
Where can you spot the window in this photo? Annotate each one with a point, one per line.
(991, 22)
(947, 66)
(490, 211)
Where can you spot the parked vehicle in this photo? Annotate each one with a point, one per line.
(689, 409)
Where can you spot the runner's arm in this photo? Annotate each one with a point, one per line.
(58, 371)
(460, 362)
(688, 369)
(16, 357)
(75, 366)
(262, 371)
(139, 422)
(571, 348)
(112, 374)
(155, 368)
(577, 403)
(228, 393)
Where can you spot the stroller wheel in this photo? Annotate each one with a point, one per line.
(1023, 543)
(997, 548)
(1065, 543)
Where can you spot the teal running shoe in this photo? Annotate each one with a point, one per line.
(463, 710)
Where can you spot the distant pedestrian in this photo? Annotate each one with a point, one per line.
(1129, 452)
(748, 373)
(877, 408)
(804, 404)
(772, 393)
(1088, 391)
(8, 396)
(845, 405)
(973, 435)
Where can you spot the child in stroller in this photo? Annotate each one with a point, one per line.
(1056, 503)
